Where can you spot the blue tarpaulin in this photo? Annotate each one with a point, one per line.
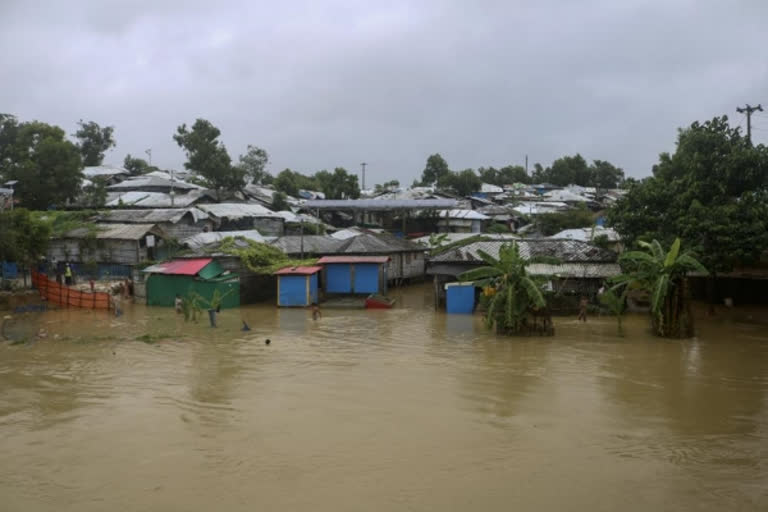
(10, 271)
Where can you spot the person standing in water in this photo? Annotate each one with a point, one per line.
(583, 303)
(68, 275)
(316, 313)
(178, 303)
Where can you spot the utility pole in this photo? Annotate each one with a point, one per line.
(748, 110)
(526, 164)
(363, 166)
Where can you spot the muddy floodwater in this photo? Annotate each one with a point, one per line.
(406, 409)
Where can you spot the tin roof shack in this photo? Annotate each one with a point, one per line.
(123, 244)
(308, 245)
(107, 174)
(406, 258)
(354, 274)
(178, 223)
(245, 216)
(462, 221)
(254, 287)
(581, 267)
(180, 277)
(297, 286)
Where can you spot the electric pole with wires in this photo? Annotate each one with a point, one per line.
(748, 110)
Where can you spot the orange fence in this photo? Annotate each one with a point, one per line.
(66, 296)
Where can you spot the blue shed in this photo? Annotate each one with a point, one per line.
(355, 274)
(459, 298)
(297, 286)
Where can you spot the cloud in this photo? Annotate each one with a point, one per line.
(320, 86)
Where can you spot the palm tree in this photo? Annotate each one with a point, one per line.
(512, 295)
(663, 275)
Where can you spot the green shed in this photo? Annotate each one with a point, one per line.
(200, 275)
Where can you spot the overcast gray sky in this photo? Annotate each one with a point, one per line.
(321, 84)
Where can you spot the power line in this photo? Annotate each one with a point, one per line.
(748, 110)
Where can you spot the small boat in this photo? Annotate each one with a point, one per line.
(378, 302)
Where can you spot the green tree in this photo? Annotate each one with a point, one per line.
(23, 238)
(137, 166)
(435, 170)
(552, 223)
(94, 141)
(569, 170)
(280, 202)
(513, 295)
(464, 183)
(253, 164)
(605, 175)
(507, 175)
(337, 185)
(711, 193)
(388, 186)
(663, 275)
(285, 182)
(208, 157)
(47, 166)
(95, 194)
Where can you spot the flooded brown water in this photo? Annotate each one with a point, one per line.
(380, 410)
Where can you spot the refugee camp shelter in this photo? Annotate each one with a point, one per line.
(178, 223)
(202, 276)
(245, 216)
(354, 274)
(108, 245)
(459, 298)
(297, 286)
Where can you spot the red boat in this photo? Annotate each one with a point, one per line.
(378, 302)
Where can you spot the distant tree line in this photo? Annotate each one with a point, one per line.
(568, 170)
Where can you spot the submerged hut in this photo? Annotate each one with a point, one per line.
(199, 275)
(354, 274)
(297, 286)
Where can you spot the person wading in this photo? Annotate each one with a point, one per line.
(68, 275)
(583, 303)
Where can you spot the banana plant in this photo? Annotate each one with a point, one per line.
(663, 275)
(516, 293)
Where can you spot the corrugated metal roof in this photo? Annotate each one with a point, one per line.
(202, 239)
(179, 267)
(344, 234)
(115, 231)
(380, 204)
(576, 270)
(463, 214)
(153, 181)
(172, 215)
(377, 244)
(489, 188)
(238, 210)
(539, 207)
(153, 199)
(298, 217)
(316, 244)
(303, 271)
(587, 234)
(455, 237)
(104, 170)
(353, 259)
(567, 251)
